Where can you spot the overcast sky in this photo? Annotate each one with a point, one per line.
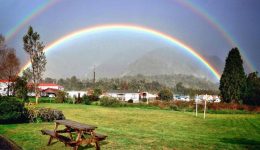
(185, 20)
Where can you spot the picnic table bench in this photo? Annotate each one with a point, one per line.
(85, 134)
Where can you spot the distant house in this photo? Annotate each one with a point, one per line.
(124, 95)
(209, 98)
(74, 94)
(148, 96)
(4, 87)
(44, 86)
(47, 89)
(181, 97)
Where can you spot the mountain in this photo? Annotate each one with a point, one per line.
(163, 61)
(167, 61)
(216, 62)
(188, 81)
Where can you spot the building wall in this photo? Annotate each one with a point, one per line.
(3, 89)
(75, 93)
(126, 96)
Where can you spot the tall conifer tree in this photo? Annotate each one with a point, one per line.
(233, 79)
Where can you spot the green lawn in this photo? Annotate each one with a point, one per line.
(135, 128)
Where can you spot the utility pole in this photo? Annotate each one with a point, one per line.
(205, 106)
(94, 75)
(196, 100)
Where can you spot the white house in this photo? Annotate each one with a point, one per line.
(73, 94)
(47, 89)
(4, 87)
(209, 98)
(44, 86)
(181, 97)
(124, 95)
(148, 96)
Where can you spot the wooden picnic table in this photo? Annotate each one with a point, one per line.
(85, 134)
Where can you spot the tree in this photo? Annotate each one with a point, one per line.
(9, 63)
(233, 79)
(180, 89)
(165, 94)
(252, 96)
(50, 80)
(34, 48)
(21, 89)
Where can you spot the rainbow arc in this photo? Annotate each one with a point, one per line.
(127, 27)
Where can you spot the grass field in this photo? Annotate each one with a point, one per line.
(135, 128)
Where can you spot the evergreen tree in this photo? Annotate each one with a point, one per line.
(34, 47)
(233, 79)
(252, 95)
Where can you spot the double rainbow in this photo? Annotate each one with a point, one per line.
(127, 27)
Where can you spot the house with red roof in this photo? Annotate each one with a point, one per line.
(47, 89)
(44, 86)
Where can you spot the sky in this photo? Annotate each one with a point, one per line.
(210, 27)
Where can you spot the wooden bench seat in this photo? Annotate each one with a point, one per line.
(100, 137)
(64, 139)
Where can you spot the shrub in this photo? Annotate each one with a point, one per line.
(165, 94)
(44, 114)
(130, 101)
(144, 99)
(60, 97)
(173, 107)
(107, 101)
(93, 98)
(12, 110)
(21, 89)
(86, 99)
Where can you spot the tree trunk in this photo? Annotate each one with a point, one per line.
(36, 93)
(8, 87)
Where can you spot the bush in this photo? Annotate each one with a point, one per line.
(86, 99)
(107, 101)
(130, 101)
(165, 94)
(144, 100)
(21, 89)
(44, 115)
(12, 110)
(173, 107)
(93, 98)
(60, 97)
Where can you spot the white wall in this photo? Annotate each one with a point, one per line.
(75, 93)
(126, 96)
(3, 89)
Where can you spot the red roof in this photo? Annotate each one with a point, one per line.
(30, 85)
(4, 81)
(50, 90)
(48, 84)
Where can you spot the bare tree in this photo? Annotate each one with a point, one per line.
(34, 48)
(3, 53)
(9, 64)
